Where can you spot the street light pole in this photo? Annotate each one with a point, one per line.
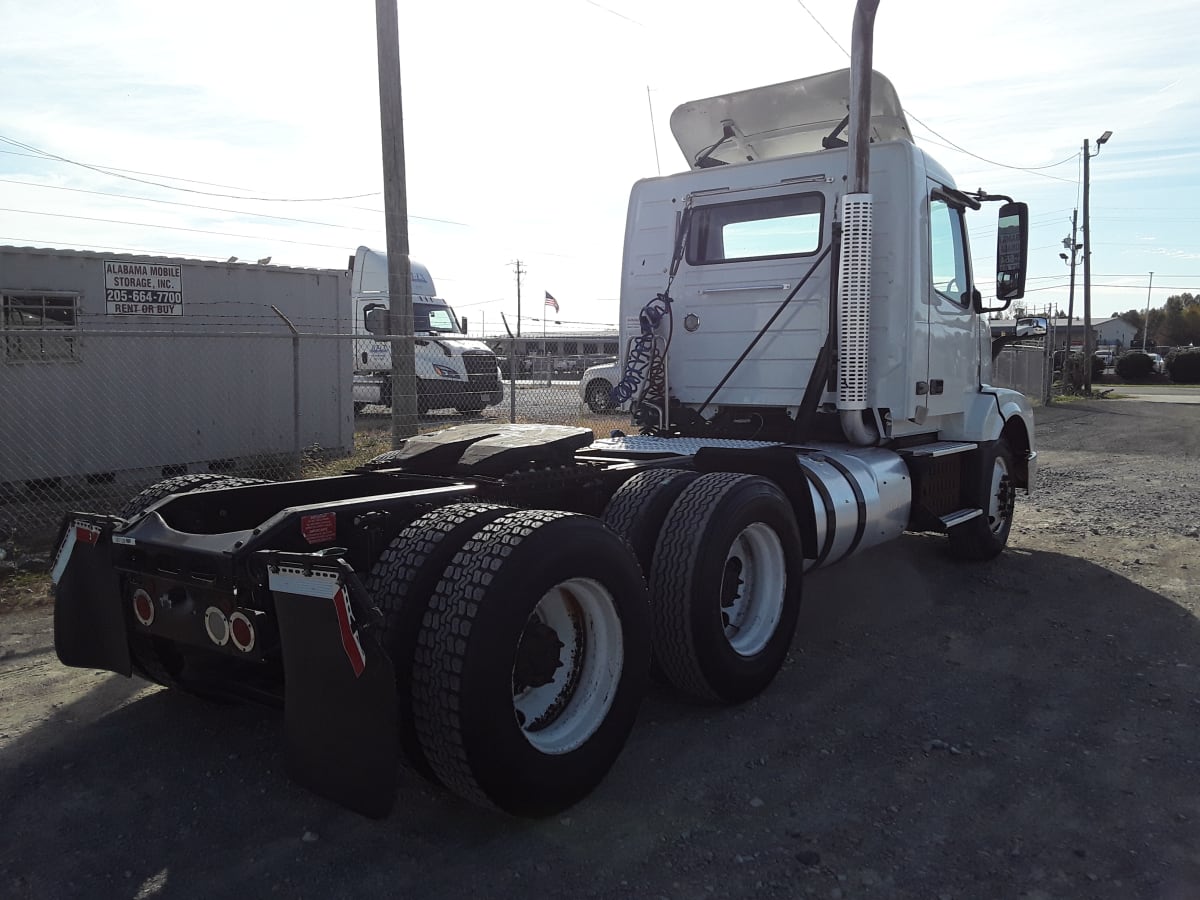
(1146, 324)
(1087, 261)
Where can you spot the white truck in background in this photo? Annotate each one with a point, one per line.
(453, 372)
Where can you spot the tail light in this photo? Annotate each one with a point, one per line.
(241, 631)
(143, 607)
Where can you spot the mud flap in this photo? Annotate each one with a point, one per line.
(89, 622)
(339, 684)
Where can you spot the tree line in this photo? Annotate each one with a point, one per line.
(1177, 324)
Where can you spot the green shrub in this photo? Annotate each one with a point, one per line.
(1135, 364)
(1183, 365)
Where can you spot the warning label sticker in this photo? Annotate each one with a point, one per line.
(319, 528)
(142, 288)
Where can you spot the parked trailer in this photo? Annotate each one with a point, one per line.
(810, 370)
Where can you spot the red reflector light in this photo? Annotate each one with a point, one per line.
(143, 607)
(241, 632)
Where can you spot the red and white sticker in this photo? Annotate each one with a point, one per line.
(319, 528)
(86, 532)
(79, 532)
(350, 641)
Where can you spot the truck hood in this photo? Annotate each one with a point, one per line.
(459, 344)
(782, 119)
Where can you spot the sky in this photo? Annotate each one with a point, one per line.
(224, 129)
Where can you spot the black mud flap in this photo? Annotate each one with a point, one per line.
(89, 622)
(339, 684)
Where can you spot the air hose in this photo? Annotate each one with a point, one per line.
(644, 360)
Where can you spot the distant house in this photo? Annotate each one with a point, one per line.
(1115, 333)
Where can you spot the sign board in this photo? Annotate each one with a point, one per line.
(142, 288)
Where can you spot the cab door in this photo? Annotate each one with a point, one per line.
(953, 371)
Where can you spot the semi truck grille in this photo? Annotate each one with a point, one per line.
(482, 371)
(479, 363)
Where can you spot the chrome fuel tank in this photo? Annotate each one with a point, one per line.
(861, 497)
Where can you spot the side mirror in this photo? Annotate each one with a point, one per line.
(1012, 251)
(463, 322)
(375, 318)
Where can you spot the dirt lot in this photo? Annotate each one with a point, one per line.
(1026, 727)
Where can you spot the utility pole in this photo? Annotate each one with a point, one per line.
(516, 264)
(395, 208)
(1072, 246)
(1087, 261)
(1146, 324)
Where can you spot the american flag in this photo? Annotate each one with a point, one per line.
(550, 301)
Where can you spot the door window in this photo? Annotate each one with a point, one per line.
(948, 252)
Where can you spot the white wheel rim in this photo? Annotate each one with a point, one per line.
(753, 589)
(1000, 497)
(560, 716)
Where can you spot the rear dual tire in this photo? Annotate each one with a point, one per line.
(531, 662)
(401, 582)
(725, 586)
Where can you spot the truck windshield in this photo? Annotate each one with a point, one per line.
(434, 317)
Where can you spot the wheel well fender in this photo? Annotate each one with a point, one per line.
(1016, 432)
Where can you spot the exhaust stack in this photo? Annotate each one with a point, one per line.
(854, 287)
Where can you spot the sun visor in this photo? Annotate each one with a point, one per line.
(781, 119)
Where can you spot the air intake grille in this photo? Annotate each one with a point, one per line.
(854, 302)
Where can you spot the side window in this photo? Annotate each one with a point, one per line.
(948, 252)
(768, 228)
(39, 327)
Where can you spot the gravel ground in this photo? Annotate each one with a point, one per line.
(1025, 727)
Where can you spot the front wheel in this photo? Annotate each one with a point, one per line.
(531, 661)
(597, 396)
(985, 536)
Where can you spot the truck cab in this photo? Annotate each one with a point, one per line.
(760, 215)
(452, 370)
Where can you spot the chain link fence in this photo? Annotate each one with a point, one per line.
(1025, 366)
(89, 418)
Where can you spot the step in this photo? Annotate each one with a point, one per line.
(938, 448)
(950, 520)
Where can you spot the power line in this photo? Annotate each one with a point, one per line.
(1033, 170)
(913, 116)
(615, 13)
(249, 237)
(232, 187)
(822, 27)
(112, 173)
(239, 212)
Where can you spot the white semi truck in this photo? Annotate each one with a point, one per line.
(453, 371)
(809, 367)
